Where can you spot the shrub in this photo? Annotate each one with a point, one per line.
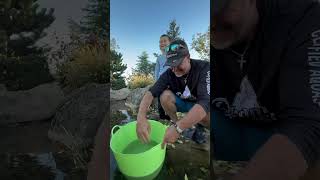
(139, 81)
(87, 64)
(22, 73)
(117, 84)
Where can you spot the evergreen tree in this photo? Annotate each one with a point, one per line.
(117, 67)
(23, 64)
(174, 30)
(22, 24)
(117, 70)
(95, 22)
(144, 66)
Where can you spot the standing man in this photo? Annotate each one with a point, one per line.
(160, 68)
(266, 91)
(185, 87)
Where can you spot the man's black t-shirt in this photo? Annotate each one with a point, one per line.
(194, 86)
(279, 83)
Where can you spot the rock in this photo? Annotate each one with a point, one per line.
(117, 95)
(135, 97)
(39, 103)
(77, 120)
(204, 170)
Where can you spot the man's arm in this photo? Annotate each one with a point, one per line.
(195, 115)
(144, 106)
(99, 165)
(143, 127)
(278, 159)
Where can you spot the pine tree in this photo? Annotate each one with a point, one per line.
(144, 66)
(174, 30)
(117, 70)
(95, 22)
(22, 24)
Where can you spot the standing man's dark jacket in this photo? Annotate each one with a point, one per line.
(279, 85)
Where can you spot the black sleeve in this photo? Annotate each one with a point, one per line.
(299, 91)
(203, 89)
(161, 84)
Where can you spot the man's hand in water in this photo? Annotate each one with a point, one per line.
(143, 130)
(170, 136)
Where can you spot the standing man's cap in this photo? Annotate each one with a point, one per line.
(176, 51)
(219, 5)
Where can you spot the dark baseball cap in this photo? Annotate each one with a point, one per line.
(176, 51)
(219, 5)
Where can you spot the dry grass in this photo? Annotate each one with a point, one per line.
(87, 64)
(139, 81)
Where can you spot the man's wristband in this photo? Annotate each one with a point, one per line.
(178, 129)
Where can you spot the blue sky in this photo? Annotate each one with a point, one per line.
(137, 24)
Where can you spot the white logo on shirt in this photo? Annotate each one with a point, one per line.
(186, 95)
(314, 67)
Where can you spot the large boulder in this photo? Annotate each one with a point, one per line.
(118, 95)
(77, 120)
(135, 97)
(39, 103)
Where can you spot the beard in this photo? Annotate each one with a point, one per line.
(223, 38)
(178, 75)
(180, 72)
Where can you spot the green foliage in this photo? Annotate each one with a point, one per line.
(23, 24)
(86, 58)
(144, 66)
(88, 64)
(140, 81)
(117, 69)
(201, 44)
(118, 84)
(95, 23)
(118, 116)
(23, 63)
(156, 55)
(174, 30)
(19, 73)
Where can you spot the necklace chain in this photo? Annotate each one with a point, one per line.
(241, 61)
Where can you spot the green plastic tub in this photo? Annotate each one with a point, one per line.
(136, 160)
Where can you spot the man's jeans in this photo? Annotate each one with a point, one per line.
(233, 140)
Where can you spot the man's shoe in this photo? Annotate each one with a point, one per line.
(199, 136)
(188, 133)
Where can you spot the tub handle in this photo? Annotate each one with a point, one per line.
(114, 127)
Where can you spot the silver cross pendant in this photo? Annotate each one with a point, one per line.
(241, 61)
